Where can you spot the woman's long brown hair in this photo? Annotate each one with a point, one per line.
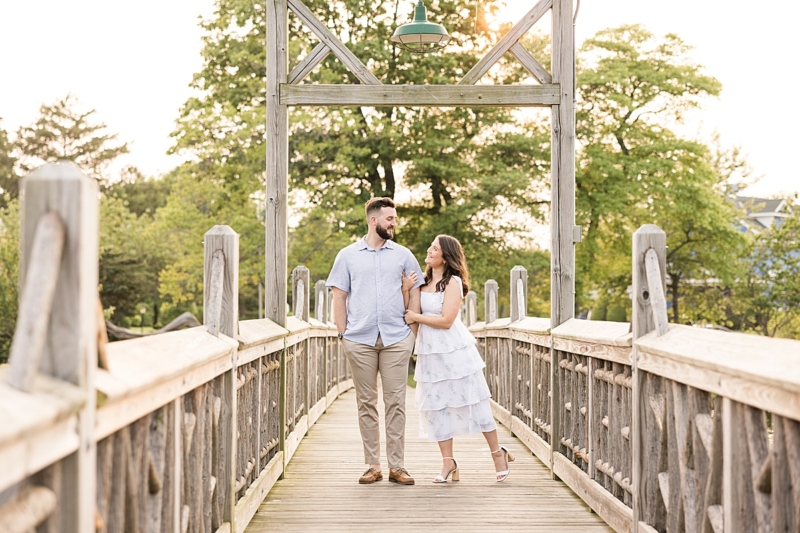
(455, 264)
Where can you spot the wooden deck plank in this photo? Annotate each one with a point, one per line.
(320, 491)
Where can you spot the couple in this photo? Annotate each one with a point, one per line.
(382, 303)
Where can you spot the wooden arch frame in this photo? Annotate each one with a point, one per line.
(556, 91)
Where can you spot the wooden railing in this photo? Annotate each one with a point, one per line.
(180, 432)
(657, 427)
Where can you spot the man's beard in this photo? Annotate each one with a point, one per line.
(384, 233)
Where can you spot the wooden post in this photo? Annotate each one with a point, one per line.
(490, 300)
(301, 297)
(277, 137)
(222, 241)
(562, 193)
(647, 238)
(69, 351)
(320, 294)
(471, 316)
(519, 293)
(562, 213)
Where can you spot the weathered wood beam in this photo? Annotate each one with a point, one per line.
(277, 172)
(562, 189)
(304, 67)
(69, 352)
(420, 95)
(506, 42)
(648, 264)
(530, 64)
(333, 43)
(37, 300)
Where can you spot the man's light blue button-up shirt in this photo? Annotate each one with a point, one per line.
(373, 281)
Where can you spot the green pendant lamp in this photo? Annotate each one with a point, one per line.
(421, 36)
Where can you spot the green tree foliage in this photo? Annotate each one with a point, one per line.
(635, 170)
(766, 299)
(141, 194)
(9, 180)
(196, 203)
(463, 170)
(9, 274)
(64, 132)
(131, 258)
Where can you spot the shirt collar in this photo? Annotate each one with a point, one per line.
(362, 244)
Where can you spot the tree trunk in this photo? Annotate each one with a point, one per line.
(674, 280)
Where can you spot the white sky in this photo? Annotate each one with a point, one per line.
(133, 61)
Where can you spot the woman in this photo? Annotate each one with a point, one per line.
(452, 394)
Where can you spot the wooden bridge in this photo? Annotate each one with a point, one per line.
(654, 427)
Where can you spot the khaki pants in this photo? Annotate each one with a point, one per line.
(392, 364)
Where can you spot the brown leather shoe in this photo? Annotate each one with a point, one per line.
(370, 476)
(400, 476)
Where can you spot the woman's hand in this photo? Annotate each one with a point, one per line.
(409, 281)
(411, 317)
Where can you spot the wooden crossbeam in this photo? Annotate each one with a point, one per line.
(530, 63)
(314, 58)
(420, 95)
(506, 42)
(333, 43)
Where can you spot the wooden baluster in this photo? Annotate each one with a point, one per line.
(738, 505)
(758, 452)
(654, 431)
(785, 474)
(713, 519)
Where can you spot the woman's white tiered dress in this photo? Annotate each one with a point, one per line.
(452, 395)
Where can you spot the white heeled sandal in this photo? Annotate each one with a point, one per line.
(503, 474)
(454, 473)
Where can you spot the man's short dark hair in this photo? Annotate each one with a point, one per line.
(374, 205)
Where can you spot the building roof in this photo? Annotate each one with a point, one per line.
(761, 213)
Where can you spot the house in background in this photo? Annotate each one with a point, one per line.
(761, 213)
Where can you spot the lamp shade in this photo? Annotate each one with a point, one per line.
(421, 36)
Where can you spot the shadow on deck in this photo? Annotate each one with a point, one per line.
(320, 491)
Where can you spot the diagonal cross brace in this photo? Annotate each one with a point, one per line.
(303, 68)
(333, 43)
(530, 64)
(506, 43)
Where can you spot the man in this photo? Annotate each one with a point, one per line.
(368, 310)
